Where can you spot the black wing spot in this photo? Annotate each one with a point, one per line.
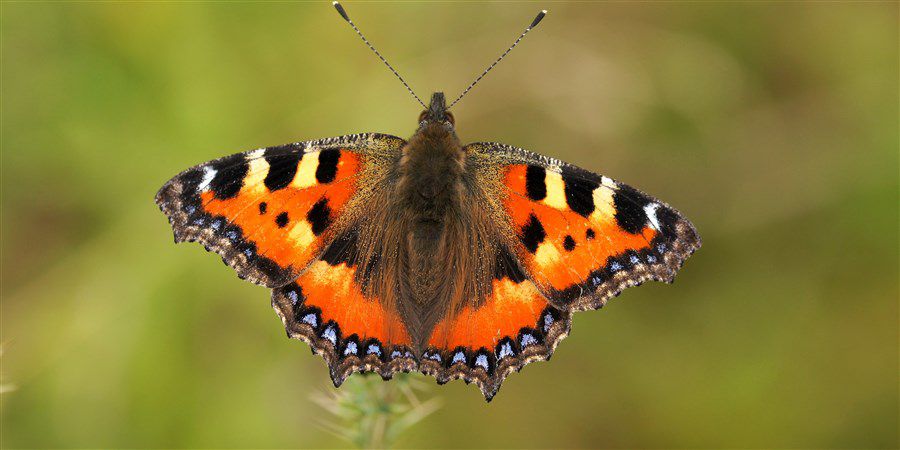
(535, 182)
(667, 220)
(282, 169)
(506, 267)
(579, 193)
(532, 234)
(590, 234)
(342, 250)
(262, 207)
(569, 243)
(327, 168)
(630, 205)
(282, 219)
(319, 216)
(230, 174)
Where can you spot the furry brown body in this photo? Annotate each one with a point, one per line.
(439, 240)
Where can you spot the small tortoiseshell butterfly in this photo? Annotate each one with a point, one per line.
(458, 261)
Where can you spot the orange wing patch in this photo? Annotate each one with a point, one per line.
(509, 308)
(333, 290)
(513, 326)
(326, 308)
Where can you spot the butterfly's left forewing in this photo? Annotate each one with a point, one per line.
(270, 212)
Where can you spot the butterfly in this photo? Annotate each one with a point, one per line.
(459, 261)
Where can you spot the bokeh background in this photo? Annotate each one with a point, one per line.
(774, 127)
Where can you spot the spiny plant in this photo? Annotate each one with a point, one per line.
(371, 413)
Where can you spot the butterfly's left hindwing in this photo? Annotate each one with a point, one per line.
(270, 212)
(580, 237)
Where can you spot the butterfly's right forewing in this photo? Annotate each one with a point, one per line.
(581, 237)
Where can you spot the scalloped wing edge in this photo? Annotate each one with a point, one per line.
(191, 224)
(486, 368)
(661, 262)
(530, 345)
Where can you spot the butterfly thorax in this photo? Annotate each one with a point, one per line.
(430, 182)
(431, 170)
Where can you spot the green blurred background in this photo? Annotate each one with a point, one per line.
(774, 127)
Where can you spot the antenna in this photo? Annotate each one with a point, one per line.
(343, 13)
(534, 23)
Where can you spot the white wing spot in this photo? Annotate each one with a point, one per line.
(505, 350)
(208, 174)
(527, 340)
(330, 335)
(482, 361)
(310, 319)
(650, 210)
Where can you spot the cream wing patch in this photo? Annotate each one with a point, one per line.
(604, 205)
(556, 191)
(546, 254)
(256, 174)
(301, 234)
(306, 172)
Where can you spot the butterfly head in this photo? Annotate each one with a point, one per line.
(437, 112)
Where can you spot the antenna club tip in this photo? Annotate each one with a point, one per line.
(340, 10)
(538, 19)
